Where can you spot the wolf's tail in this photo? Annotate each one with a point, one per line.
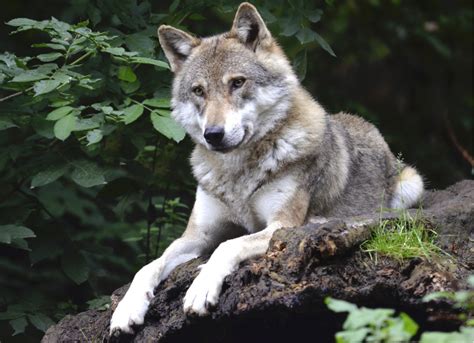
(408, 189)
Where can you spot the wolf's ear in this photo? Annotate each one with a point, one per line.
(250, 28)
(176, 44)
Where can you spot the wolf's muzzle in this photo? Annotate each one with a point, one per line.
(214, 135)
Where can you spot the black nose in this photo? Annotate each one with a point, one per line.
(214, 135)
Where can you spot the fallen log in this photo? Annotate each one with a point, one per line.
(279, 297)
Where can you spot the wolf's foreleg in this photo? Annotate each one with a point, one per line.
(204, 291)
(205, 230)
(132, 308)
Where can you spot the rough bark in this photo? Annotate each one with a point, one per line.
(279, 297)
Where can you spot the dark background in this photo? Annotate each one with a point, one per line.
(405, 66)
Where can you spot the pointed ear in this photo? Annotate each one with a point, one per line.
(250, 28)
(177, 45)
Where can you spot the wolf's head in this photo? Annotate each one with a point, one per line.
(230, 89)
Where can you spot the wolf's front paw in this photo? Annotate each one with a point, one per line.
(129, 312)
(204, 291)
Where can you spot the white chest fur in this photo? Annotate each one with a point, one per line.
(246, 199)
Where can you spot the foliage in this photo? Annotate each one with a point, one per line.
(462, 300)
(402, 238)
(91, 173)
(93, 183)
(380, 325)
(372, 325)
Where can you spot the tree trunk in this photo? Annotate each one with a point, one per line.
(279, 297)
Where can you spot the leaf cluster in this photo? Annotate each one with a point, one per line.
(93, 181)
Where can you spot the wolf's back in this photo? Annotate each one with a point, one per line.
(376, 178)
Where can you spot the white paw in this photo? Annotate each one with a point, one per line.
(204, 291)
(130, 311)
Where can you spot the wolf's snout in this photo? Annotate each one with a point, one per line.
(214, 135)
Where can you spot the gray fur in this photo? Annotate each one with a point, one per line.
(282, 159)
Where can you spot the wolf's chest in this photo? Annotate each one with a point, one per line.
(252, 197)
(237, 192)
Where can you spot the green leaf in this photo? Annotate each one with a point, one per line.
(101, 303)
(94, 136)
(75, 266)
(22, 22)
(470, 281)
(64, 126)
(20, 243)
(306, 35)
(155, 102)
(352, 336)
(465, 336)
(6, 124)
(107, 109)
(146, 60)
(59, 113)
(87, 173)
(142, 43)
(438, 295)
(10, 232)
(132, 113)
(51, 56)
(29, 75)
(50, 174)
(115, 51)
(290, 27)
(11, 313)
(84, 124)
(50, 45)
(366, 316)
(200, 17)
(174, 5)
(18, 325)
(45, 86)
(40, 321)
(43, 127)
(336, 305)
(324, 44)
(167, 127)
(314, 16)
(409, 325)
(300, 63)
(130, 87)
(126, 73)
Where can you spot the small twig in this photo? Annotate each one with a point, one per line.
(151, 209)
(16, 94)
(464, 153)
(35, 199)
(148, 229)
(162, 215)
(81, 58)
(144, 106)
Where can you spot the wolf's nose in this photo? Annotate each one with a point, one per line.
(214, 135)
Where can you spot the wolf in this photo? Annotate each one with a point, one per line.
(267, 156)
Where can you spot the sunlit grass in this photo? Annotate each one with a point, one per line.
(402, 238)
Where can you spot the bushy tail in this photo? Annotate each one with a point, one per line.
(408, 189)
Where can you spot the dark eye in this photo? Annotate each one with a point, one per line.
(237, 83)
(198, 91)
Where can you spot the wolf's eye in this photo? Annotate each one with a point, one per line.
(237, 83)
(198, 91)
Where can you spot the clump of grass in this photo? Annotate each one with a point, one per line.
(402, 238)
